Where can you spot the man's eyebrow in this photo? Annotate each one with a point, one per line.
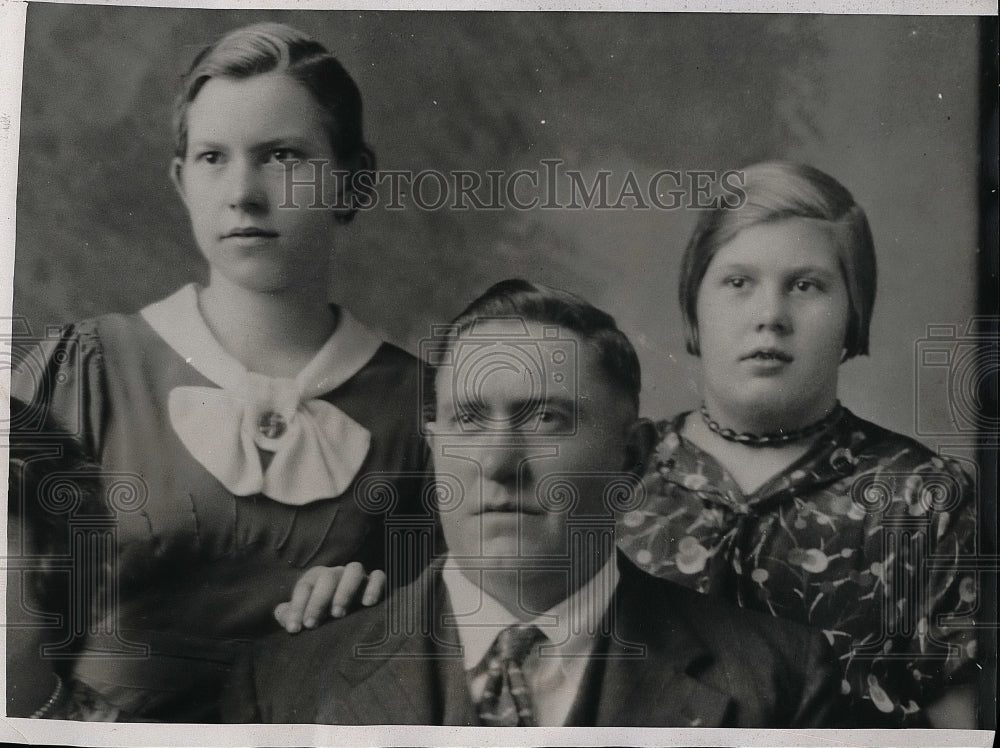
(546, 401)
(462, 399)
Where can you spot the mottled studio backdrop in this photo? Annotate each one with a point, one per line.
(888, 105)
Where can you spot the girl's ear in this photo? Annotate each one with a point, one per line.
(176, 176)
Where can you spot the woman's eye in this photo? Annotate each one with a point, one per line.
(284, 155)
(736, 282)
(804, 284)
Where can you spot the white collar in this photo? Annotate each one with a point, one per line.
(480, 616)
(177, 319)
(316, 449)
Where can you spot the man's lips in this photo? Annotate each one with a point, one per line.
(507, 507)
(767, 354)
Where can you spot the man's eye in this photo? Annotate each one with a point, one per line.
(209, 157)
(551, 418)
(468, 419)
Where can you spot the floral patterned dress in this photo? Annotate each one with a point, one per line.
(863, 537)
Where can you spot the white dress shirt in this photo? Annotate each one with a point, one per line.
(554, 668)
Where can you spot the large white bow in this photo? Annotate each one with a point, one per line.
(314, 449)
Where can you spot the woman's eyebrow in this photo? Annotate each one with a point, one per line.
(283, 141)
(204, 144)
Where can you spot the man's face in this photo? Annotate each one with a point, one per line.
(530, 436)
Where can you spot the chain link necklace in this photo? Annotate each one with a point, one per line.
(778, 438)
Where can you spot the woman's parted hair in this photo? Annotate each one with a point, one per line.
(774, 191)
(539, 303)
(274, 47)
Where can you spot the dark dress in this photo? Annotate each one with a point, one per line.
(863, 537)
(196, 571)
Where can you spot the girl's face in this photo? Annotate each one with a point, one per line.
(772, 318)
(248, 139)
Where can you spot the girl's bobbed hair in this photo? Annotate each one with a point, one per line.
(775, 191)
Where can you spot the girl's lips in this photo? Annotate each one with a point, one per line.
(767, 354)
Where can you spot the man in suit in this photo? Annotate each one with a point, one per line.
(531, 618)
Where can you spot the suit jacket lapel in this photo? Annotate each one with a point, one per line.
(658, 688)
(413, 674)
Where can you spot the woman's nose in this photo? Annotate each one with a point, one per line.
(245, 190)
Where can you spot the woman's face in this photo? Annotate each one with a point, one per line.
(772, 318)
(248, 139)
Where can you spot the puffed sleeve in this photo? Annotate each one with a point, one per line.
(931, 592)
(54, 431)
(61, 379)
(951, 588)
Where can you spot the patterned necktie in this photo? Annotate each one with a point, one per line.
(506, 699)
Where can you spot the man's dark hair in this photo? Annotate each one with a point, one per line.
(534, 302)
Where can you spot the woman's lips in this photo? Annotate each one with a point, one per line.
(250, 232)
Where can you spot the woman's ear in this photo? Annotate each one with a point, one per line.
(365, 160)
(177, 177)
(639, 446)
(357, 189)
